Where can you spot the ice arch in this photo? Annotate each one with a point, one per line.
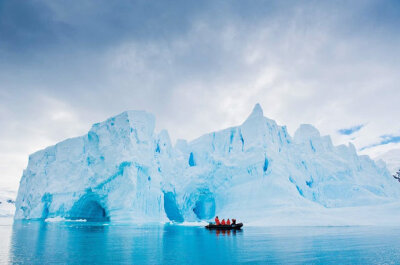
(204, 207)
(89, 207)
(171, 207)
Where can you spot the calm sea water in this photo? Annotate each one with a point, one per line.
(106, 243)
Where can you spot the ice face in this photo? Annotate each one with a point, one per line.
(124, 171)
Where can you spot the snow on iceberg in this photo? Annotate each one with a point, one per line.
(62, 219)
(122, 170)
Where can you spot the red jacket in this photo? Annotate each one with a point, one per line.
(228, 222)
(217, 221)
(223, 222)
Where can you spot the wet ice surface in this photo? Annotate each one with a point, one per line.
(37, 242)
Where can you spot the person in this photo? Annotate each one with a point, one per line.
(217, 221)
(223, 222)
(233, 221)
(228, 222)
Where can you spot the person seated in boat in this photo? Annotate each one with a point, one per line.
(233, 221)
(223, 222)
(217, 221)
(228, 222)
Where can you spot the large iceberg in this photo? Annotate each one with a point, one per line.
(123, 170)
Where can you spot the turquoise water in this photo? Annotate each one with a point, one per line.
(105, 243)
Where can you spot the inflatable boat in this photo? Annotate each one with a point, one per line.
(225, 227)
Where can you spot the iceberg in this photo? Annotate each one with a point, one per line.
(122, 170)
(7, 203)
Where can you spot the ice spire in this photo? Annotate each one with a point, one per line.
(255, 118)
(257, 112)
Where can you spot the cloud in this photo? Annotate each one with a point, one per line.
(351, 130)
(385, 139)
(198, 66)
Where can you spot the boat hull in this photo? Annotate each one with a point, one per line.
(225, 227)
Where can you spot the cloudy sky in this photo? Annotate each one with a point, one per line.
(198, 66)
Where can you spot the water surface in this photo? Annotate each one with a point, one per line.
(37, 242)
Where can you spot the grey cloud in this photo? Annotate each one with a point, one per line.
(198, 66)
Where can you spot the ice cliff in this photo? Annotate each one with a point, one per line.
(123, 170)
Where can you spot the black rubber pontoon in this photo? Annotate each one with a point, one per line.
(225, 227)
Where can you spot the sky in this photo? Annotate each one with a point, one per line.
(198, 66)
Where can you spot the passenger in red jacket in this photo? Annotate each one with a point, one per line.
(217, 221)
(228, 222)
(223, 222)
